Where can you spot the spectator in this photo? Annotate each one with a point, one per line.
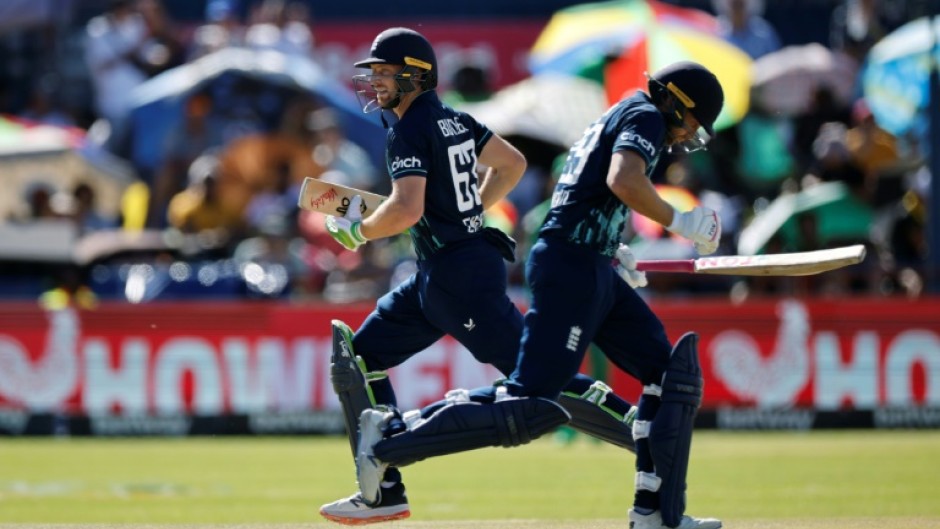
(198, 208)
(222, 29)
(824, 108)
(85, 211)
(194, 136)
(113, 43)
(282, 27)
(740, 23)
(345, 162)
(856, 26)
(275, 206)
(163, 49)
(43, 106)
(764, 160)
(470, 84)
(874, 149)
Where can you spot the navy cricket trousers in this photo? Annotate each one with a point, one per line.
(578, 298)
(459, 291)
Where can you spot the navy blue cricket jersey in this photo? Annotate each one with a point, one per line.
(441, 144)
(584, 209)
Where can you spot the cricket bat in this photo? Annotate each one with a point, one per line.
(333, 199)
(779, 264)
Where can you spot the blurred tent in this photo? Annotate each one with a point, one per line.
(617, 42)
(552, 108)
(34, 154)
(836, 214)
(785, 81)
(896, 77)
(159, 102)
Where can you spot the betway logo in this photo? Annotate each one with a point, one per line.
(407, 163)
(636, 139)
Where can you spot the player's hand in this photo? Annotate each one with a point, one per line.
(625, 263)
(348, 228)
(701, 226)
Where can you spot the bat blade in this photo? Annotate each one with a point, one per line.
(781, 264)
(333, 199)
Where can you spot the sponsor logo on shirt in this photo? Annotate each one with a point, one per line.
(636, 139)
(405, 163)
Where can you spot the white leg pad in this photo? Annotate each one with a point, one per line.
(648, 481)
(641, 429)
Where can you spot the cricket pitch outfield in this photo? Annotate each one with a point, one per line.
(792, 480)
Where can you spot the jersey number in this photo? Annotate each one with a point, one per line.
(463, 161)
(578, 154)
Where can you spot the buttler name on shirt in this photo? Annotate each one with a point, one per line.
(451, 127)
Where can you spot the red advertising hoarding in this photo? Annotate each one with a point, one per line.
(237, 358)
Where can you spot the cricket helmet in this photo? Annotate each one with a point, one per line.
(694, 89)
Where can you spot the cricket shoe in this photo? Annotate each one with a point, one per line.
(354, 510)
(370, 469)
(654, 520)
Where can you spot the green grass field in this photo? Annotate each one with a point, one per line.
(878, 479)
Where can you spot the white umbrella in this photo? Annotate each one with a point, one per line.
(785, 81)
(554, 108)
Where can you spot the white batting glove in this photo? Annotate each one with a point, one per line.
(347, 230)
(701, 226)
(626, 267)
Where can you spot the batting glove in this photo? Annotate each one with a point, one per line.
(625, 264)
(701, 226)
(347, 230)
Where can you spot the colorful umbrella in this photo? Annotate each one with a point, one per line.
(576, 37)
(627, 38)
(895, 79)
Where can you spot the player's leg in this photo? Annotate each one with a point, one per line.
(634, 339)
(465, 296)
(599, 412)
(551, 352)
(359, 384)
(453, 428)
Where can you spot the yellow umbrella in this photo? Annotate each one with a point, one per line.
(632, 37)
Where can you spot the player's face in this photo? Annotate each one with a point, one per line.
(383, 82)
(377, 89)
(690, 137)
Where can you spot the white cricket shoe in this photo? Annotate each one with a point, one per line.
(369, 469)
(655, 521)
(354, 511)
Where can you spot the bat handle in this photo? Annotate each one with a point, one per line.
(682, 266)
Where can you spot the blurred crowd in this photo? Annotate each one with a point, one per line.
(216, 208)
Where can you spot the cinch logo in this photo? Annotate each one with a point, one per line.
(407, 163)
(635, 138)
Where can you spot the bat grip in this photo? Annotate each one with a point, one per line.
(682, 266)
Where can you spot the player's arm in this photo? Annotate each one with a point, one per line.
(627, 179)
(505, 165)
(402, 210)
